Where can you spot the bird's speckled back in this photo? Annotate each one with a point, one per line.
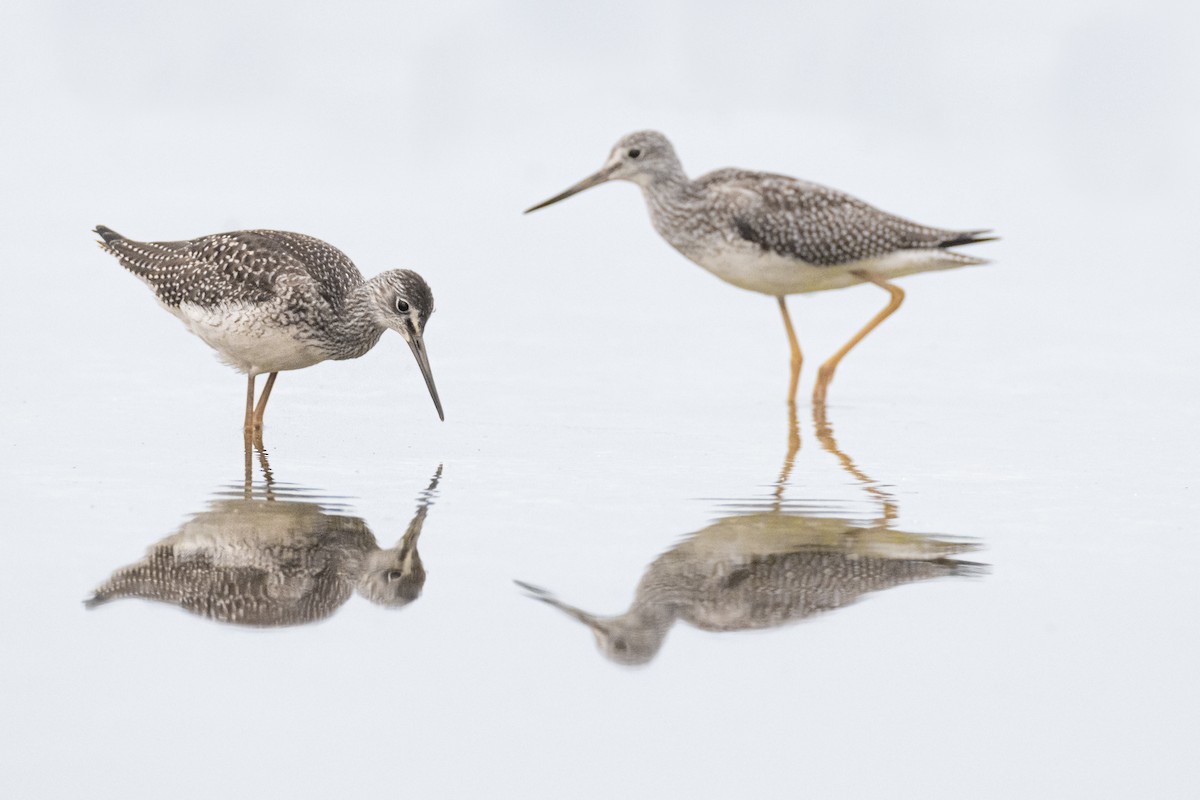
(793, 218)
(240, 266)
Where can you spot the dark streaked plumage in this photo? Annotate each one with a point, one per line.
(815, 224)
(248, 266)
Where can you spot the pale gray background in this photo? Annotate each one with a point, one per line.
(602, 394)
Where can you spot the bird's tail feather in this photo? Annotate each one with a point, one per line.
(968, 569)
(107, 234)
(968, 237)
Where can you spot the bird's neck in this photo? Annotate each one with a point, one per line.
(671, 197)
(356, 330)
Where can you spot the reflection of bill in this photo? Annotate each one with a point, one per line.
(752, 571)
(273, 562)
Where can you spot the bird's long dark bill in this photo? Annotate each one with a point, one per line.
(586, 183)
(417, 345)
(571, 611)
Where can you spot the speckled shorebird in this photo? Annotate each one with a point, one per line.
(778, 235)
(269, 301)
(760, 571)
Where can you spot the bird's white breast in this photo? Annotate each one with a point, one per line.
(750, 267)
(248, 339)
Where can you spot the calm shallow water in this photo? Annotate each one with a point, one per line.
(1055, 652)
(975, 576)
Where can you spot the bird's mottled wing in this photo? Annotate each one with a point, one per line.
(240, 266)
(810, 222)
(333, 273)
(289, 592)
(766, 591)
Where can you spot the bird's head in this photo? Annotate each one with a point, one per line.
(642, 157)
(393, 577)
(632, 639)
(401, 300)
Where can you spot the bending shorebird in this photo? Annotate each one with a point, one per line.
(269, 301)
(274, 560)
(778, 235)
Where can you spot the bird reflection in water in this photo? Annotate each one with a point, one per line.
(272, 557)
(767, 565)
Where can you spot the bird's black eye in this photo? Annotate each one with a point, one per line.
(402, 306)
(635, 153)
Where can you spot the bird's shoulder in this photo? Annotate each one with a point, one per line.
(315, 256)
(769, 194)
(302, 259)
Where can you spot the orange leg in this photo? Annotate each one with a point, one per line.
(825, 373)
(262, 402)
(249, 424)
(797, 358)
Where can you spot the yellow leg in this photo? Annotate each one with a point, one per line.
(825, 373)
(262, 402)
(249, 424)
(797, 358)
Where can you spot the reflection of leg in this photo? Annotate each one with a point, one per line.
(249, 424)
(790, 459)
(254, 444)
(265, 466)
(262, 402)
(829, 444)
(797, 358)
(248, 480)
(825, 373)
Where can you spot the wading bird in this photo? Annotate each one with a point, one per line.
(778, 235)
(269, 301)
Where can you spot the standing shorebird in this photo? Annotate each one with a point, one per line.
(778, 235)
(269, 301)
